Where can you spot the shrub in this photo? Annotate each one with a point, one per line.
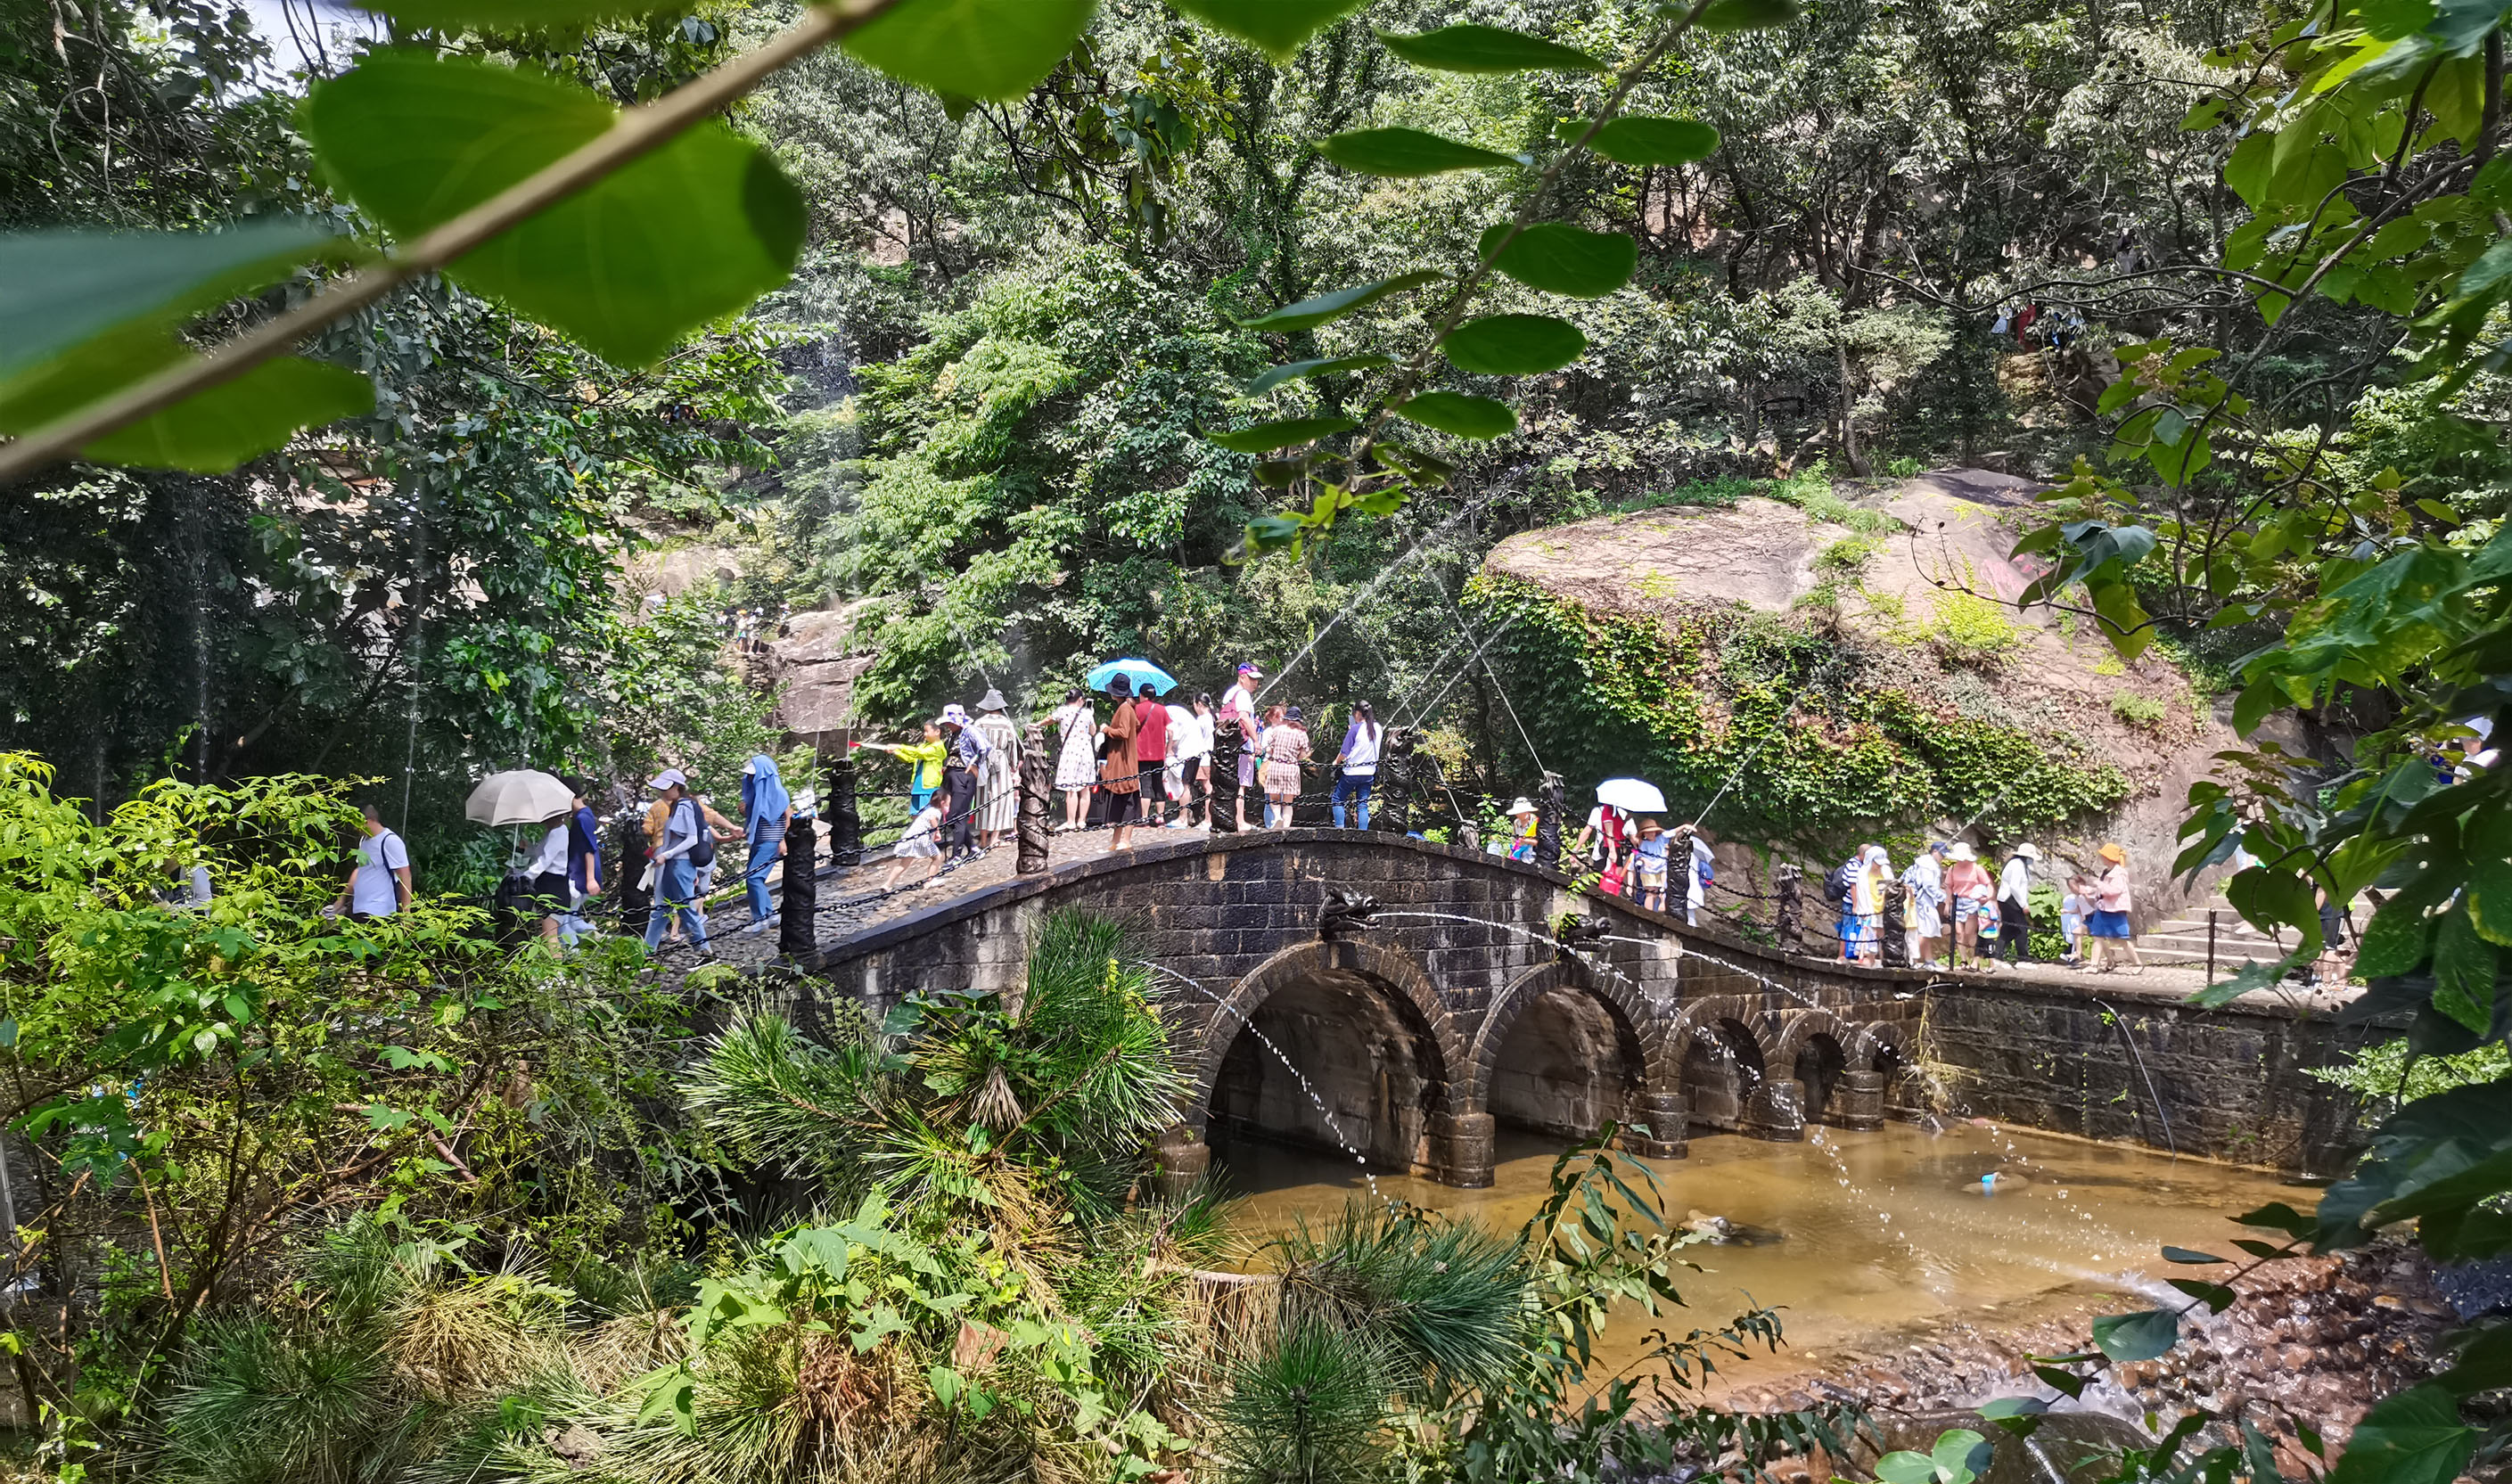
(1972, 629)
(1905, 467)
(1849, 554)
(2138, 709)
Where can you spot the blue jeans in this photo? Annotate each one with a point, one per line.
(675, 889)
(763, 859)
(1354, 787)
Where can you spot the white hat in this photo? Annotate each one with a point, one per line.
(667, 778)
(2028, 853)
(953, 715)
(1960, 853)
(1521, 806)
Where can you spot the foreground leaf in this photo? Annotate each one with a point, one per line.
(1265, 437)
(1514, 344)
(1307, 313)
(1748, 15)
(1300, 371)
(210, 432)
(507, 15)
(989, 48)
(1407, 153)
(1487, 49)
(60, 287)
(691, 232)
(2140, 1336)
(1478, 417)
(2414, 1437)
(1655, 141)
(1565, 259)
(1281, 28)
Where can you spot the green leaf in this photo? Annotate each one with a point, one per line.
(990, 48)
(1564, 259)
(1960, 1456)
(1748, 15)
(1907, 1468)
(2485, 1363)
(1514, 344)
(2394, 941)
(208, 432)
(1655, 141)
(2216, 1295)
(2184, 1255)
(1277, 26)
(687, 234)
(1267, 436)
(1307, 313)
(61, 288)
(2464, 965)
(1407, 153)
(2140, 1336)
(1300, 371)
(2414, 1437)
(1458, 413)
(1487, 49)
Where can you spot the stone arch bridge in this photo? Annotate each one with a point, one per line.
(1455, 1009)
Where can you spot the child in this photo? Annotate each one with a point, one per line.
(1649, 856)
(926, 754)
(2071, 921)
(1989, 919)
(921, 842)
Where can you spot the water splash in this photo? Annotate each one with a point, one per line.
(1324, 1112)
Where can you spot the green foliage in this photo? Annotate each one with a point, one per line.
(2391, 1069)
(2138, 710)
(1972, 629)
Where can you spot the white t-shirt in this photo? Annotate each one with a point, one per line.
(553, 856)
(1190, 735)
(2015, 882)
(1360, 760)
(373, 890)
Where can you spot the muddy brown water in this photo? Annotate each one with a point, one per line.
(1859, 1240)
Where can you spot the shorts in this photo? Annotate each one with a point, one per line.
(1966, 909)
(1147, 778)
(1857, 927)
(2108, 924)
(550, 895)
(1281, 779)
(1247, 770)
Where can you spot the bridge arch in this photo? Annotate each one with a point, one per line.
(1642, 1075)
(1814, 1048)
(1365, 1032)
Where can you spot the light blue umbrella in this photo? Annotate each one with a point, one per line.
(1135, 673)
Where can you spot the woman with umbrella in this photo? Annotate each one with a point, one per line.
(1119, 773)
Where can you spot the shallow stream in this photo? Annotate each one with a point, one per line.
(1862, 1239)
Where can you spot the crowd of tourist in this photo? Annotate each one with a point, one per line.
(1955, 912)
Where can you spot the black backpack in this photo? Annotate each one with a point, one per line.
(1836, 887)
(702, 853)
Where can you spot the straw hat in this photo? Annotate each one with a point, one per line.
(2027, 851)
(1521, 806)
(2112, 853)
(1961, 852)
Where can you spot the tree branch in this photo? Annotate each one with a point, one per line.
(638, 132)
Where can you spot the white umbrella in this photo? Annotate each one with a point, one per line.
(1630, 796)
(520, 797)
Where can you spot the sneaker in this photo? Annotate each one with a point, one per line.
(759, 925)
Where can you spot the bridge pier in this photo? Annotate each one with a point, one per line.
(1460, 1149)
(1669, 1125)
(1858, 1100)
(1771, 1112)
(1181, 1160)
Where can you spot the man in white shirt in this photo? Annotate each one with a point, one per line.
(380, 885)
(1190, 756)
(1239, 700)
(2014, 903)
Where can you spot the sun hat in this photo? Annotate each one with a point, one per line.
(1293, 715)
(2112, 853)
(667, 778)
(953, 715)
(1521, 806)
(1960, 853)
(2029, 851)
(994, 700)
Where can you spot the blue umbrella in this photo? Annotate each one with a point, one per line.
(1135, 673)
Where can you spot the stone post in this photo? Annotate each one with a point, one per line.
(1771, 1111)
(846, 824)
(1460, 1149)
(1791, 922)
(1182, 1156)
(1669, 1128)
(1858, 1102)
(1036, 784)
(1226, 743)
(1897, 948)
(1393, 804)
(798, 903)
(1548, 823)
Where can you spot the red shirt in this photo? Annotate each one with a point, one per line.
(1152, 734)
